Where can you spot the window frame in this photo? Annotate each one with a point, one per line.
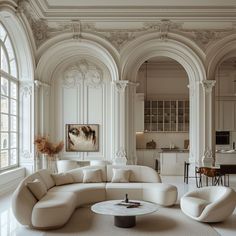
(11, 79)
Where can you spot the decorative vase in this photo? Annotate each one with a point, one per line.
(52, 163)
(207, 158)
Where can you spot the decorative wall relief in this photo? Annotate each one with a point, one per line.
(26, 88)
(83, 70)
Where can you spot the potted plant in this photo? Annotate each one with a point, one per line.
(49, 150)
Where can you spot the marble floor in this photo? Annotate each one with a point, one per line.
(10, 227)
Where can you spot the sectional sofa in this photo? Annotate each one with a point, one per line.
(55, 207)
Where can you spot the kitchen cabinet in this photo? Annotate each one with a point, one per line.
(139, 112)
(226, 158)
(147, 157)
(225, 115)
(166, 116)
(172, 163)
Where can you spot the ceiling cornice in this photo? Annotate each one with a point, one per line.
(126, 11)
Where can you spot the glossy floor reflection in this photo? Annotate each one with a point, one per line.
(10, 227)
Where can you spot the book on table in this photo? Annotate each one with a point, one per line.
(129, 204)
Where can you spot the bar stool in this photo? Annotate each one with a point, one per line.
(198, 177)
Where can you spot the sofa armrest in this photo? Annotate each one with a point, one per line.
(23, 202)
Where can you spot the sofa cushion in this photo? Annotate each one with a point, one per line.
(54, 209)
(37, 188)
(86, 193)
(118, 191)
(140, 174)
(63, 178)
(120, 176)
(47, 178)
(92, 176)
(77, 173)
(193, 205)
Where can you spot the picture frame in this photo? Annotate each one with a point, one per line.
(82, 137)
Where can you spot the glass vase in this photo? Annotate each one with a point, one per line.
(52, 163)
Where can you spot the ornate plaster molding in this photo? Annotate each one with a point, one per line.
(83, 70)
(120, 157)
(39, 83)
(204, 37)
(121, 85)
(26, 154)
(76, 25)
(44, 29)
(26, 88)
(208, 85)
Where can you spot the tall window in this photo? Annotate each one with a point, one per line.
(9, 103)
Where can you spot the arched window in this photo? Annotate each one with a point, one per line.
(9, 117)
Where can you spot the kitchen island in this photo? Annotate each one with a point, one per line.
(166, 161)
(226, 157)
(172, 161)
(148, 157)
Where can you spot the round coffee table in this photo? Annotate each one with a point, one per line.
(124, 217)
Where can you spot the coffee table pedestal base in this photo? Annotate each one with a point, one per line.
(125, 221)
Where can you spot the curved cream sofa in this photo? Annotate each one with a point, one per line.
(56, 207)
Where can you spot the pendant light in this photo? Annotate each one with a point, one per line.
(146, 87)
(218, 72)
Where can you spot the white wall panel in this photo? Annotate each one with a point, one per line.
(70, 103)
(77, 99)
(95, 115)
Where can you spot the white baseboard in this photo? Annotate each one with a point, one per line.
(9, 180)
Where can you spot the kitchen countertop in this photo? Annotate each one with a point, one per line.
(226, 151)
(166, 150)
(174, 150)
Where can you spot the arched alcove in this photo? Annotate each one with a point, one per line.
(194, 68)
(78, 82)
(69, 48)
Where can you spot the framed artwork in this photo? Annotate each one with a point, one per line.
(82, 138)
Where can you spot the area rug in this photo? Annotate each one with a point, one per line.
(164, 222)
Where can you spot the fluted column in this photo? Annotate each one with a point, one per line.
(26, 126)
(42, 105)
(121, 152)
(130, 121)
(209, 150)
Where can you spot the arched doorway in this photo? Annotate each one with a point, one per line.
(194, 68)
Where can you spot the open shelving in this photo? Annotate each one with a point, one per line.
(166, 115)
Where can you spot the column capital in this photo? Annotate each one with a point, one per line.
(208, 85)
(120, 85)
(120, 158)
(26, 87)
(39, 83)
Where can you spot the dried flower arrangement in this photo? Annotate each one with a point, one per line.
(44, 146)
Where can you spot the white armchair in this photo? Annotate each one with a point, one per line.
(209, 204)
